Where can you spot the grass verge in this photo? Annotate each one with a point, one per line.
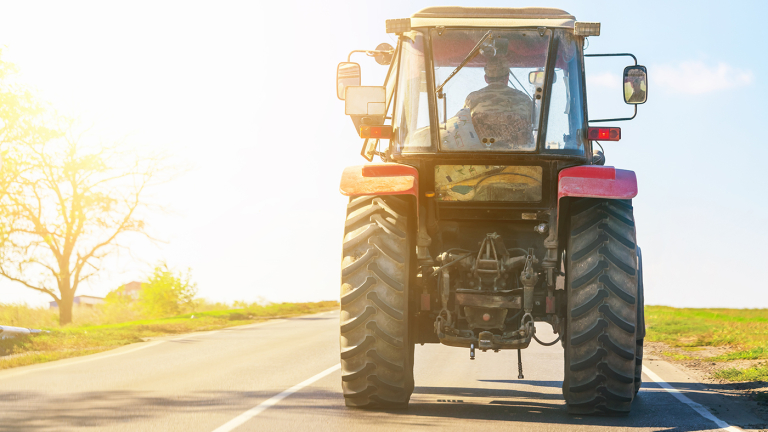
(757, 373)
(746, 328)
(742, 332)
(73, 341)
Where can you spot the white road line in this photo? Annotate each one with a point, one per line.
(81, 361)
(704, 412)
(258, 409)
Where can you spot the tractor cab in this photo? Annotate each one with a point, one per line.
(479, 84)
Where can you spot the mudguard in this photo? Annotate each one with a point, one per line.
(380, 179)
(594, 181)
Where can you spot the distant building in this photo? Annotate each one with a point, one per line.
(82, 300)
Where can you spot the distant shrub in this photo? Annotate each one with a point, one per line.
(167, 294)
(119, 307)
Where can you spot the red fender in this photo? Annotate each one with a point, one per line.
(596, 181)
(380, 179)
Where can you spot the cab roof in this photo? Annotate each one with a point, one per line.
(492, 17)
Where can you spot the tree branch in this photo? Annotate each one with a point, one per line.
(44, 290)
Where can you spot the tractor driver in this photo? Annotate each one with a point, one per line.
(499, 111)
(638, 94)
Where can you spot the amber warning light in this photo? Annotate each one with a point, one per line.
(604, 134)
(383, 132)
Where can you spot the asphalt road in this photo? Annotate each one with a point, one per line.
(216, 380)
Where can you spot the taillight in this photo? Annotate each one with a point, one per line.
(604, 134)
(384, 132)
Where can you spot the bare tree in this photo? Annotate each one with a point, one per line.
(22, 119)
(67, 206)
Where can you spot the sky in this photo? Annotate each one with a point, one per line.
(243, 94)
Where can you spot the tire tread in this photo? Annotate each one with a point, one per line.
(600, 369)
(376, 355)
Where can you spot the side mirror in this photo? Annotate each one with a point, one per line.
(347, 75)
(635, 85)
(537, 78)
(366, 101)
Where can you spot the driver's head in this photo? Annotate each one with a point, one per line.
(636, 83)
(496, 71)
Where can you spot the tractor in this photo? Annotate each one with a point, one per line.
(492, 209)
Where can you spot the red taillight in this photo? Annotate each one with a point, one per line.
(604, 134)
(384, 132)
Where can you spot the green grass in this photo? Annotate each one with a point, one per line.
(744, 332)
(738, 328)
(77, 340)
(757, 373)
(755, 353)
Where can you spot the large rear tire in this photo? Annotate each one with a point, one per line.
(601, 282)
(376, 350)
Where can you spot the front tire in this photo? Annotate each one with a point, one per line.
(376, 350)
(602, 283)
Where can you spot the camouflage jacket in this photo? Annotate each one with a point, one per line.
(499, 98)
(637, 96)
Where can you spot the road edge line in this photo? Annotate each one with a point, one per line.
(258, 409)
(22, 370)
(83, 359)
(699, 408)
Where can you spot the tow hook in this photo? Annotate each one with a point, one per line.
(485, 340)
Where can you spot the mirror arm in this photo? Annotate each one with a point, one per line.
(613, 55)
(369, 53)
(616, 119)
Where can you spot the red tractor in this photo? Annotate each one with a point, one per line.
(492, 209)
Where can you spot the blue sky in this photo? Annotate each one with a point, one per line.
(244, 94)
